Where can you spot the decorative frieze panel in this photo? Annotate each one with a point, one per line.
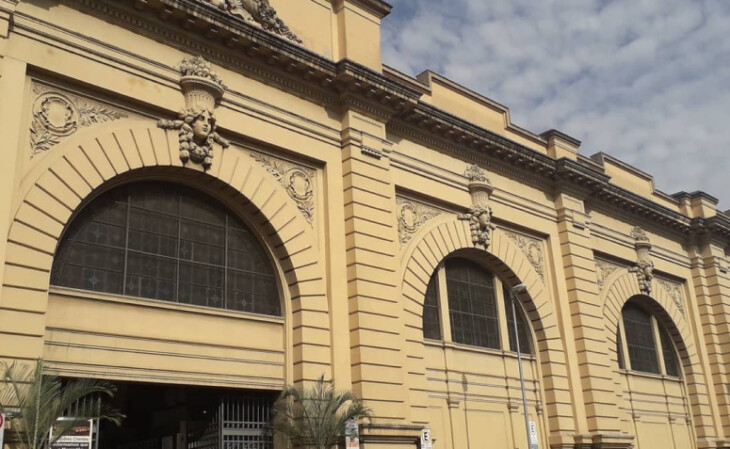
(297, 181)
(604, 269)
(674, 289)
(532, 248)
(58, 114)
(411, 216)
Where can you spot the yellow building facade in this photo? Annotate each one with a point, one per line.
(206, 200)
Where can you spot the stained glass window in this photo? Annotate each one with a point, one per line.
(167, 242)
(671, 364)
(640, 339)
(431, 320)
(472, 304)
(524, 334)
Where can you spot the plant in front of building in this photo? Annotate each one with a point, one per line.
(315, 417)
(34, 400)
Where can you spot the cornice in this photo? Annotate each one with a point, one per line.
(198, 27)
(195, 26)
(377, 7)
(586, 178)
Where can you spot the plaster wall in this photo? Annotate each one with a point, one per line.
(383, 207)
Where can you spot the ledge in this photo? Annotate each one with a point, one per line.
(161, 304)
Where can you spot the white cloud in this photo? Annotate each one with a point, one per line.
(647, 81)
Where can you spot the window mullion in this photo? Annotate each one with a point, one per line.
(177, 251)
(225, 265)
(502, 312)
(658, 342)
(126, 245)
(443, 302)
(624, 345)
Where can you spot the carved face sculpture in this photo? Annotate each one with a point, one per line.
(484, 219)
(202, 126)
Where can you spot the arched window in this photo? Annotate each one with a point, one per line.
(648, 347)
(167, 242)
(475, 305)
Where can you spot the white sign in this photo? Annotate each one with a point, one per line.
(533, 435)
(78, 437)
(352, 434)
(2, 429)
(426, 442)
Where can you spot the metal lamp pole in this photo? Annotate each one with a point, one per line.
(520, 288)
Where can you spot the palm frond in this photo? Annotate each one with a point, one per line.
(316, 416)
(35, 400)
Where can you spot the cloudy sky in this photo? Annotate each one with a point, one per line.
(647, 81)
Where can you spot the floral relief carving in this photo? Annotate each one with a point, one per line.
(257, 12)
(604, 269)
(674, 289)
(532, 249)
(411, 216)
(297, 181)
(58, 114)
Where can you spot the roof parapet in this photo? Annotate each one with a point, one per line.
(697, 204)
(560, 144)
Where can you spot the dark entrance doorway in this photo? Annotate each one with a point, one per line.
(187, 417)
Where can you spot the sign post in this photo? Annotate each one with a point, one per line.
(2, 429)
(78, 437)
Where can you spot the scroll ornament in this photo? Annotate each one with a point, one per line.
(644, 264)
(258, 12)
(196, 124)
(480, 213)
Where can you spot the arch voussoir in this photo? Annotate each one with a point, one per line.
(425, 252)
(63, 181)
(623, 285)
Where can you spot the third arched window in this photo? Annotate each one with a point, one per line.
(473, 306)
(643, 343)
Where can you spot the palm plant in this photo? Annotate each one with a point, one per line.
(316, 417)
(34, 400)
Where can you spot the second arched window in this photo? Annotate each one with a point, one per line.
(473, 306)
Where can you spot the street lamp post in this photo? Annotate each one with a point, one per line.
(517, 289)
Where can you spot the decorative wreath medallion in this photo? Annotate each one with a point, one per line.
(408, 218)
(299, 185)
(57, 113)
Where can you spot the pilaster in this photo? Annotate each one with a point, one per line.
(711, 284)
(594, 366)
(22, 303)
(376, 339)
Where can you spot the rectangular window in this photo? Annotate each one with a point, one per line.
(640, 339)
(472, 304)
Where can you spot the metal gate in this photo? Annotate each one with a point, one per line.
(239, 423)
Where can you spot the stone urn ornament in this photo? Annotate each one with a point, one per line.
(480, 212)
(196, 124)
